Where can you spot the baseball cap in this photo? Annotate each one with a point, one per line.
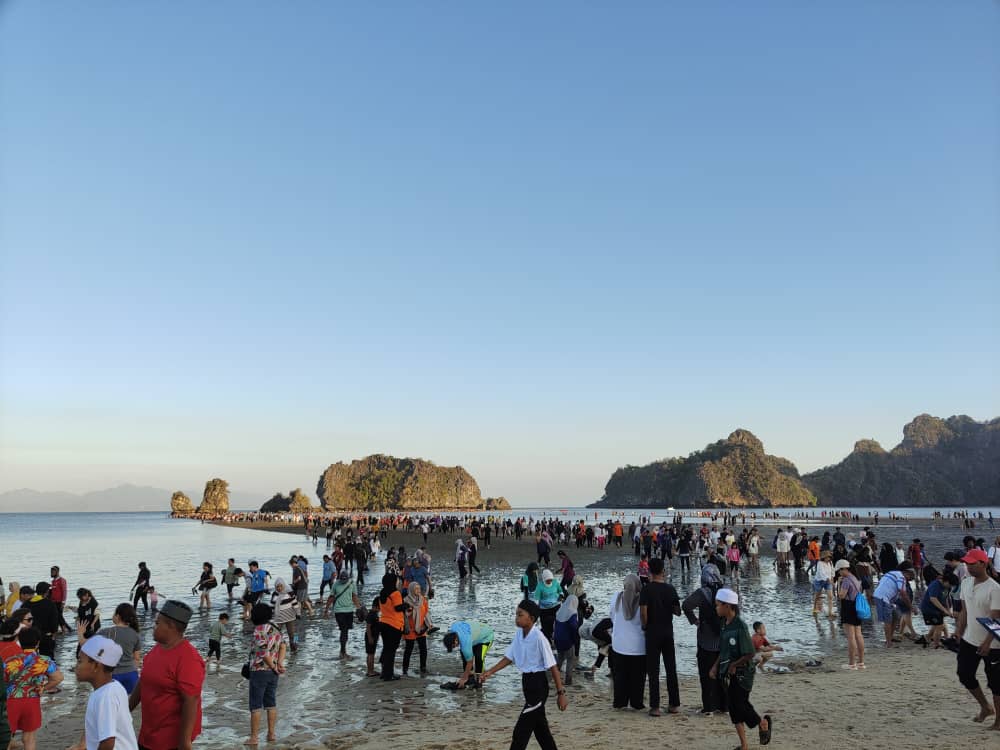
(841, 564)
(103, 650)
(975, 555)
(728, 596)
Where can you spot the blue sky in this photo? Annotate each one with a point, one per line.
(538, 240)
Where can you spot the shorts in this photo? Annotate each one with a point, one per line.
(24, 714)
(371, 645)
(301, 595)
(252, 597)
(968, 664)
(886, 611)
(127, 680)
(849, 612)
(823, 585)
(263, 689)
(936, 618)
(214, 647)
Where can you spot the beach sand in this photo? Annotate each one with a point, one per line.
(908, 696)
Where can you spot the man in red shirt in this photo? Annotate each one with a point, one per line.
(169, 689)
(58, 596)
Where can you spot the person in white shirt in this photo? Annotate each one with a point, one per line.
(980, 598)
(531, 653)
(823, 581)
(107, 724)
(628, 646)
(994, 555)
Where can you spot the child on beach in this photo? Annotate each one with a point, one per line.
(154, 600)
(823, 582)
(734, 666)
(643, 570)
(531, 653)
(764, 650)
(28, 675)
(107, 716)
(217, 632)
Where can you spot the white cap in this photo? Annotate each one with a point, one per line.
(103, 650)
(728, 596)
(547, 575)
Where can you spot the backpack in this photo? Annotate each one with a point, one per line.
(862, 607)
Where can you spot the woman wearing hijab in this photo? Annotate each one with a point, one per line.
(417, 622)
(566, 569)
(529, 582)
(567, 635)
(628, 645)
(391, 609)
(713, 697)
(286, 609)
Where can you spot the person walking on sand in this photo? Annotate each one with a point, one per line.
(822, 584)
(890, 589)
(628, 646)
(980, 599)
(848, 591)
(531, 653)
(735, 666)
(107, 717)
(658, 605)
(713, 698)
(267, 664)
(169, 689)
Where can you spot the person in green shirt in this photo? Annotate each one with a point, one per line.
(735, 667)
(216, 633)
(344, 602)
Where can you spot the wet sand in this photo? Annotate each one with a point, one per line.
(327, 703)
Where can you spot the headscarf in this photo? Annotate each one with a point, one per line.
(280, 582)
(532, 574)
(711, 581)
(417, 602)
(388, 587)
(567, 609)
(576, 587)
(628, 599)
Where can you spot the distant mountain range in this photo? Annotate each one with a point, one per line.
(123, 498)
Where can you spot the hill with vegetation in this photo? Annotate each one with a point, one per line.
(940, 462)
(728, 473)
(385, 483)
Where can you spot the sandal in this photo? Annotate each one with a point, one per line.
(765, 735)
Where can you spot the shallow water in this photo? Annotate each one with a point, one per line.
(322, 694)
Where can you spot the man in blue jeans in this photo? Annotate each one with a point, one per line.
(893, 589)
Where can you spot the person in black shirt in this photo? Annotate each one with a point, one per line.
(141, 588)
(46, 616)
(658, 604)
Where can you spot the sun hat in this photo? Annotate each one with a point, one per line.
(841, 564)
(825, 553)
(975, 555)
(728, 596)
(103, 650)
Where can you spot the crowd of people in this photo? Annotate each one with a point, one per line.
(853, 580)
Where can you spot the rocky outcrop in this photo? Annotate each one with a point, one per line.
(215, 500)
(497, 503)
(294, 502)
(940, 462)
(381, 483)
(731, 472)
(180, 504)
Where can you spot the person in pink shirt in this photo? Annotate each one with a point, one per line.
(58, 596)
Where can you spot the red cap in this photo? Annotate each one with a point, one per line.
(975, 555)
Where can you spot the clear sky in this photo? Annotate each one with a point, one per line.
(538, 240)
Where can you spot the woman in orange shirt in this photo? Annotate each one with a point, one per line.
(391, 609)
(418, 622)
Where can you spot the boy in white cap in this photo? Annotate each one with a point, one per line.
(108, 724)
(735, 667)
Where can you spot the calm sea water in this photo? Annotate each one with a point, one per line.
(100, 551)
